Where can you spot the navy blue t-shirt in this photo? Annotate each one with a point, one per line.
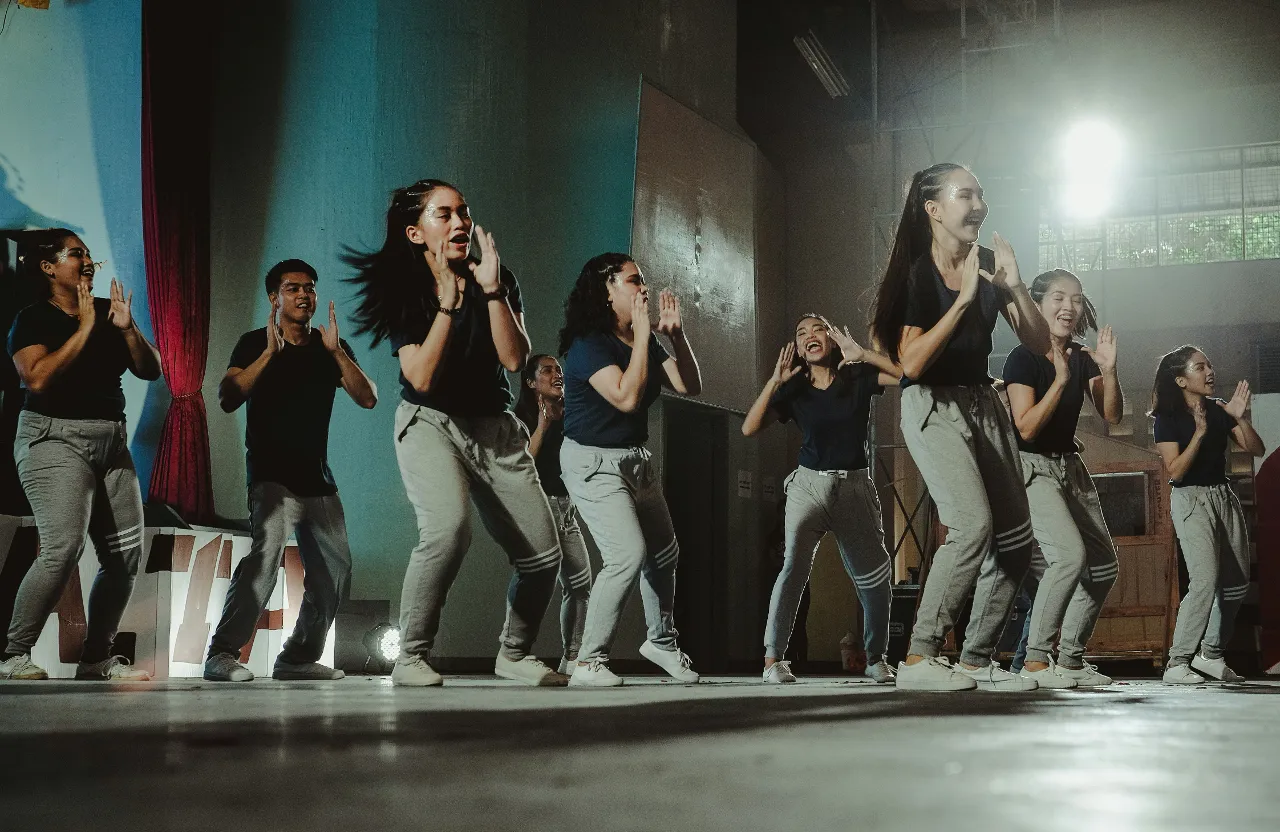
(963, 361)
(1058, 435)
(1210, 465)
(286, 434)
(833, 421)
(589, 418)
(90, 387)
(470, 380)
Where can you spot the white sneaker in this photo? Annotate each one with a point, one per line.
(530, 671)
(779, 673)
(1085, 677)
(1180, 674)
(995, 677)
(594, 674)
(21, 667)
(935, 674)
(1051, 678)
(310, 672)
(223, 667)
(111, 669)
(880, 672)
(675, 662)
(414, 672)
(567, 666)
(1215, 669)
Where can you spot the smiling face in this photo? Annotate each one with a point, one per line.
(1063, 307)
(813, 342)
(959, 209)
(296, 296)
(1197, 377)
(548, 379)
(445, 222)
(623, 286)
(71, 265)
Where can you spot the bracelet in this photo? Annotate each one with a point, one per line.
(450, 312)
(498, 294)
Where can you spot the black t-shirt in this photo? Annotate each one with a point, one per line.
(287, 432)
(1210, 465)
(589, 418)
(90, 387)
(834, 420)
(963, 361)
(1058, 436)
(548, 460)
(471, 380)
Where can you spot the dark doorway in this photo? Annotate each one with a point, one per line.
(696, 479)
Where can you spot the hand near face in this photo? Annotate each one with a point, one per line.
(640, 324)
(669, 321)
(329, 334)
(1239, 401)
(487, 272)
(1006, 274)
(852, 351)
(786, 368)
(121, 314)
(84, 298)
(1104, 355)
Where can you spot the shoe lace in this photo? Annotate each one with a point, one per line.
(535, 662)
(114, 662)
(597, 665)
(685, 661)
(783, 666)
(942, 661)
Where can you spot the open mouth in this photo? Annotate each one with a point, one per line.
(557, 385)
(1067, 320)
(460, 239)
(812, 347)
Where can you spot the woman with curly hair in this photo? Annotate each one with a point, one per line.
(614, 369)
(1192, 430)
(457, 325)
(541, 408)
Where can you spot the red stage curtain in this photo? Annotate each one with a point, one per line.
(176, 99)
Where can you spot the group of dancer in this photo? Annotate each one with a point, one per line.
(1008, 482)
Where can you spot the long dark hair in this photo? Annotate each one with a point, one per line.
(1040, 287)
(913, 239)
(40, 247)
(1166, 397)
(395, 286)
(527, 404)
(588, 309)
(835, 356)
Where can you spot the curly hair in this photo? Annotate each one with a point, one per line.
(394, 284)
(588, 310)
(39, 247)
(1166, 397)
(1041, 285)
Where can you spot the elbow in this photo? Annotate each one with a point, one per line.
(1026, 434)
(749, 430)
(911, 369)
(1115, 420)
(628, 404)
(35, 386)
(514, 364)
(369, 402)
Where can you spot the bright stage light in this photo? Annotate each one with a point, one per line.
(1091, 154)
(383, 644)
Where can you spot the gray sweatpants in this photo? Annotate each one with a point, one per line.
(620, 498)
(275, 513)
(575, 574)
(1075, 564)
(962, 441)
(448, 462)
(1215, 546)
(846, 504)
(79, 478)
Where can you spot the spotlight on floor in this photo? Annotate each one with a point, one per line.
(383, 644)
(1091, 155)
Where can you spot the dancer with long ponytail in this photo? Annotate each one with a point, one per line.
(824, 380)
(934, 315)
(541, 408)
(1192, 430)
(614, 370)
(456, 325)
(1075, 564)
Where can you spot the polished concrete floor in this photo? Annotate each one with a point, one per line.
(731, 754)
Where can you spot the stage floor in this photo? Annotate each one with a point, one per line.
(730, 754)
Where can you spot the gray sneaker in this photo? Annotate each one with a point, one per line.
(223, 667)
(1180, 674)
(21, 667)
(1215, 668)
(113, 669)
(414, 672)
(880, 672)
(311, 672)
(530, 671)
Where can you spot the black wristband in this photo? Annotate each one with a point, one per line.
(450, 312)
(498, 294)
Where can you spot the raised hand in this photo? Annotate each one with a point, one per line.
(121, 314)
(486, 272)
(274, 339)
(329, 334)
(1201, 420)
(852, 351)
(1006, 274)
(786, 368)
(669, 321)
(1104, 355)
(640, 324)
(1239, 401)
(448, 284)
(549, 410)
(1062, 363)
